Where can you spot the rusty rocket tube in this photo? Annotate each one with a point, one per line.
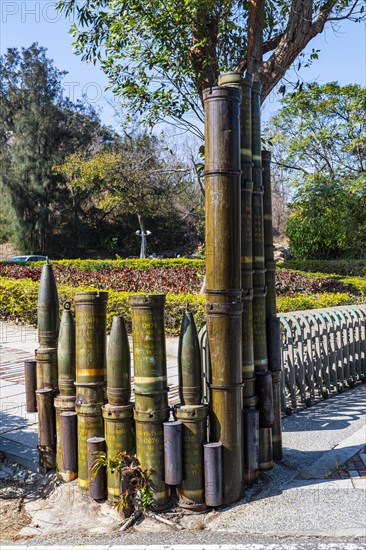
(273, 322)
(223, 276)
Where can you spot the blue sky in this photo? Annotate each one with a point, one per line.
(342, 56)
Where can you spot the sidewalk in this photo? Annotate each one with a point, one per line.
(318, 490)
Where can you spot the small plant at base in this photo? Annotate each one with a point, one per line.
(138, 494)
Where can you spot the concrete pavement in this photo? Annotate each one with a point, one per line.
(317, 492)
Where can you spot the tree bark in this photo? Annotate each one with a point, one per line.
(255, 35)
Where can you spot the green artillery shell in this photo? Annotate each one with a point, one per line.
(62, 404)
(226, 426)
(90, 321)
(118, 364)
(90, 424)
(150, 450)
(192, 489)
(265, 449)
(276, 428)
(259, 281)
(245, 83)
(46, 428)
(90, 393)
(149, 355)
(189, 362)
(69, 443)
(46, 359)
(48, 309)
(66, 353)
(119, 433)
(249, 395)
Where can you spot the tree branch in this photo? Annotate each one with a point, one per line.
(344, 16)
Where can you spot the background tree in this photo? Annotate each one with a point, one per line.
(38, 128)
(160, 55)
(132, 178)
(319, 142)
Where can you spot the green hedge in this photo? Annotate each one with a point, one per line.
(18, 302)
(345, 268)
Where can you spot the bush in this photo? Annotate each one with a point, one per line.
(339, 267)
(18, 302)
(315, 301)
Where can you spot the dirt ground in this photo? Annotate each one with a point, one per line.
(18, 486)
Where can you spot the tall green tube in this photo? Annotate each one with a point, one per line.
(91, 338)
(223, 276)
(273, 322)
(259, 271)
(151, 388)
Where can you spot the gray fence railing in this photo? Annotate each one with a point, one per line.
(323, 352)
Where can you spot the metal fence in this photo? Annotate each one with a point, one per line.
(323, 352)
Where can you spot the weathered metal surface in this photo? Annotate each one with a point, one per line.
(223, 277)
(265, 449)
(90, 424)
(265, 399)
(322, 352)
(68, 469)
(189, 362)
(119, 433)
(90, 327)
(47, 377)
(173, 463)
(150, 450)
(48, 309)
(251, 445)
(277, 421)
(194, 434)
(259, 278)
(150, 371)
(30, 375)
(62, 403)
(90, 392)
(97, 483)
(213, 468)
(226, 426)
(66, 352)
(245, 83)
(46, 428)
(118, 364)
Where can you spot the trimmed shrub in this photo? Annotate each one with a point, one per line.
(340, 267)
(18, 302)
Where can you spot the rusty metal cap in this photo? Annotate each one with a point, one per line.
(191, 412)
(117, 412)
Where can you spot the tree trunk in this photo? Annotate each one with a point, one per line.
(143, 236)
